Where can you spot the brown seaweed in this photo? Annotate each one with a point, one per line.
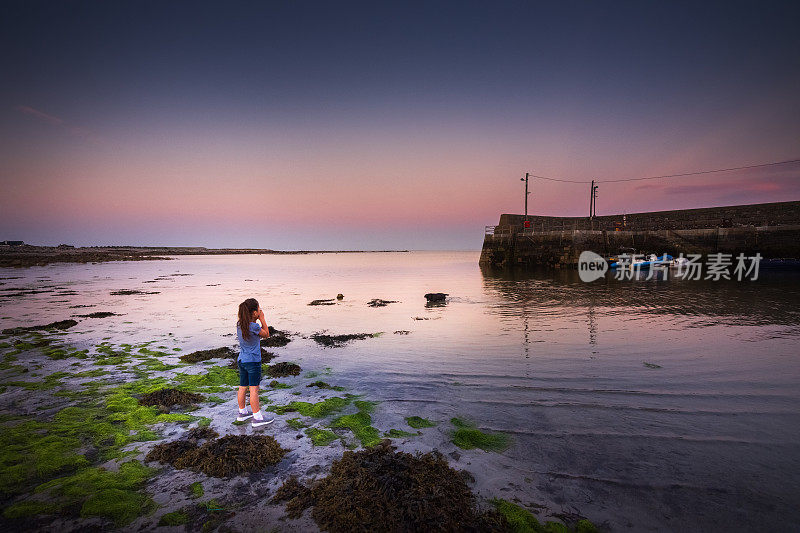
(201, 433)
(331, 301)
(170, 452)
(296, 494)
(377, 302)
(283, 369)
(337, 341)
(61, 324)
(127, 292)
(205, 355)
(168, 397)
(276, 339)
(233, 454)
(226, 456)
(379, 489)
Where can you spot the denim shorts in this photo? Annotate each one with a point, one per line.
(249, 374)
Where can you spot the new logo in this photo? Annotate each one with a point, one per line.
(591, 266)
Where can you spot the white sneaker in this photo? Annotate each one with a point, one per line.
(244, 416)
(262, 422)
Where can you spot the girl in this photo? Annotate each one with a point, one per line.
(250, 333)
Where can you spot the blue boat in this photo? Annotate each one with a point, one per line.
(643, 264)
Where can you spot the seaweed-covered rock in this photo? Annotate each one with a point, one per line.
(201, 433)
(377, 302)
(170, 452)
(330, 301)
(61, 324)
(98, 314)
(204, 355)
(233, 454)
(168, 397)
(128, 292)
(337, 341)
(378, 489)
(283, 369)
(296, 494)
(436, 297)
(226, 456)
(276, 339)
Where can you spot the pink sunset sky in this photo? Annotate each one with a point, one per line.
(375, 145)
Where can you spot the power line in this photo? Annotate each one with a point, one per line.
(698, 173)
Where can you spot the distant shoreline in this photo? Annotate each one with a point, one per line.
(28, 255)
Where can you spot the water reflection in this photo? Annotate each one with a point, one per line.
(772, 299)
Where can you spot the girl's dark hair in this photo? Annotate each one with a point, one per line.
(246, 309)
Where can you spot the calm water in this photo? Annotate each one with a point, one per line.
(706, 442)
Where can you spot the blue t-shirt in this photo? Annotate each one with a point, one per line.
(250, 349)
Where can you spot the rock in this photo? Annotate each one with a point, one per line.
(323, 302)
(436, 296)
(377, 302)
(455, 455)
(340, 296)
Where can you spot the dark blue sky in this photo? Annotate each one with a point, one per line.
(147, 98)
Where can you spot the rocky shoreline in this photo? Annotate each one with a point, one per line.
(137, 436)
(28, 255)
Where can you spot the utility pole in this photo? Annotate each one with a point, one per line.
(592, 204)
(525, 179)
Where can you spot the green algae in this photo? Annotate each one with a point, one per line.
(49, 382)
(103, 493)
(360, 424)
(25, 509)
(155, 365)
(296, 423)
(365, 406)
(398, 434)
(312, 410)
(467, 437)
(585, 526)
(324, 385)
(108, 356)
(217, 379)
(417, 422)
(91, 373)
(196, 489)
(321, 437)
(520, 520)
(175, 518)
(275, 384)
(29, 454)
